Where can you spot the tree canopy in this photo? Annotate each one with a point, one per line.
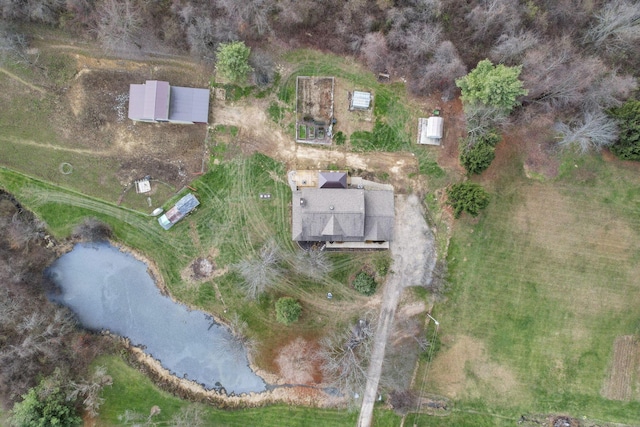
(43, 406)
(233, 61)
(628, 145)
(492, 85)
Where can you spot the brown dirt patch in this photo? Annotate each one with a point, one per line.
(349, 121)
(315, 99)
(297, 363)
(624, 369)
(464, 369)
(260, 134)
(90, 118)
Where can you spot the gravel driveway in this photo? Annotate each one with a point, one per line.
(413, 251)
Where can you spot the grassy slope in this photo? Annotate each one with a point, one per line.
(545, 281)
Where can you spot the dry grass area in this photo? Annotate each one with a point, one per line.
(465, 371)
(623, 379)
(83, 122)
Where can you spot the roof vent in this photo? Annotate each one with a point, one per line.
(302, 202)
(331, 207)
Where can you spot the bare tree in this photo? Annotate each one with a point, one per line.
(92, 230)
(510, 48)
(118, 24)
(402, 401)
(13, 45)
(374, 51)
(481, 119)
(440, 73)
(593, 132)
(189, 416)
(617, 26)
(260, 272)
(200, 34)
(312, 263)
(251, 16)
(344, 357)
(555, 75)
(609, 89)
(89, 390)
(490, 18)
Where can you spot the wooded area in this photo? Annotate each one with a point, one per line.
(578, 57)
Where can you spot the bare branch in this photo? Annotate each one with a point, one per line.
(595, 131)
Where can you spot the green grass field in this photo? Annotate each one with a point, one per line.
(132, 391)
(541, 285)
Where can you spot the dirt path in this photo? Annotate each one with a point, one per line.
(24, 82)
(413, 251)
(259, 133)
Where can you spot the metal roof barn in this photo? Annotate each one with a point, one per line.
(178, 211)
(157, 101)
(360, 100)
(189, 105)
(149, 101)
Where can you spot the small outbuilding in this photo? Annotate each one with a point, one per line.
(360, 100)
(430, 130)
(181, 209)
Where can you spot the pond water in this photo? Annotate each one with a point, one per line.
(111, 290)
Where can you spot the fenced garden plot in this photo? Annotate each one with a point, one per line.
(314, 109)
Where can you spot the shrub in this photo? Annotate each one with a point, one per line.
(628, 145)
(340, 138)
(275, 112)
(233, 61)
(365, 284)
(288, 310)
(477, 156)
(467, 197)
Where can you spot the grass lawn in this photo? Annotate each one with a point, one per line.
(132, 391)
(541, 285)
(231, 224)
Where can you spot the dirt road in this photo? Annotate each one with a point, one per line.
(413, 251)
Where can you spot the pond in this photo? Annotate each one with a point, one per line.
(111, 290)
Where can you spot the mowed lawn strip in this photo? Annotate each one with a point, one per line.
(132, 391)
(542, 285)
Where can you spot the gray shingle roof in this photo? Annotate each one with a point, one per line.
(332, 180)
(342, 215)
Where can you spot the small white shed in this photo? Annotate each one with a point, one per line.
(430, 130)
(360, 100)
